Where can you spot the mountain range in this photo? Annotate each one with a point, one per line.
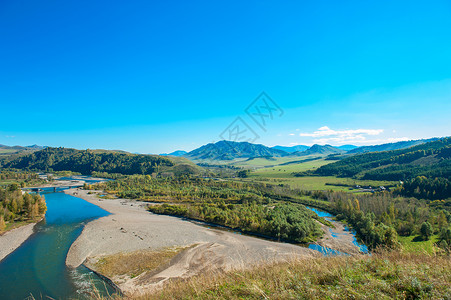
(8, 150)
(228, 150)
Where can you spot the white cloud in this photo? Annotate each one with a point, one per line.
(359, 140)
(326, 131)
(325, 135)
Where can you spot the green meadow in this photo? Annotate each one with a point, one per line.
(281, 171)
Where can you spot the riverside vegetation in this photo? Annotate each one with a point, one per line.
(17, 208)
(274, 210)
(253, 208)
(22, 178)
(419, 206)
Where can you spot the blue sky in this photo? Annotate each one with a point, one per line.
(156, 76)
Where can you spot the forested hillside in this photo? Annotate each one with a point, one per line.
(228, 150)
(430, 160)
(389, 146)
(86, 162)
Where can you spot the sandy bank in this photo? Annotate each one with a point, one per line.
(131, 227)
(12, 239)
(342, 240)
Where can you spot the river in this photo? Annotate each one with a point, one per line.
(38, 266)
(327, 251)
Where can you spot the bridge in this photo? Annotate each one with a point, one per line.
(40, 189)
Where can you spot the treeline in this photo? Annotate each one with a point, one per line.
(17, 207)
(248, 207)
(404, 172)
(283, 221)
(5, 174)
(425, 188)
(87, 161)
(23, 178)
(430, 159)
(191, 189)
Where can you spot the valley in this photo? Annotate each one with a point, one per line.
(222, 215)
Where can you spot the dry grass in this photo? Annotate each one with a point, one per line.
(134, 263)
(380, 276)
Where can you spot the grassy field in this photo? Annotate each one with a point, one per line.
(7, 182)
(7, 151)
(380, 276)
(411, 245)
(322, 182)
(284, 171)
(282, 174)
(134, 263)
(262, 162)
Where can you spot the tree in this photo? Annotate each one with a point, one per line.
(243, 173)
(426, 230)
(13, 187)
(442, 221)
(2, 223)
(42, 205)
(445, 236)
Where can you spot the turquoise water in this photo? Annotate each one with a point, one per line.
(327, 251)
(38, 266)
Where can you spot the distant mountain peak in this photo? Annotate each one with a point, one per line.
(347, 147)
(291, 149)
(20, 149)
(175, 153)
(228, 150)
(320, 150)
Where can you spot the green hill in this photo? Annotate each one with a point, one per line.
(227, 150)
(87, 161)
(430, 159)
(389, 146)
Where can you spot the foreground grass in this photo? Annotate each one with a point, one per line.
(134, 263)
(380, 276)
